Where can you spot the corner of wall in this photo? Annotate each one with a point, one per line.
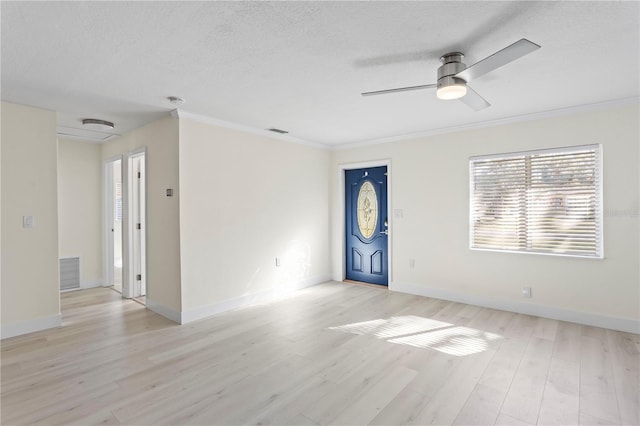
(30, 295)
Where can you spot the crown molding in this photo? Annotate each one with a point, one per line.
(178, 113)
(492, 123)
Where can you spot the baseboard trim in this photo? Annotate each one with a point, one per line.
(91, 284)
(164, 311)
(552, 312)
(30, 326)
(226, 305)
(264, 296)
(85, 285)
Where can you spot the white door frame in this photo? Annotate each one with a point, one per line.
(128, 270)
(343, 214)
(107, 217)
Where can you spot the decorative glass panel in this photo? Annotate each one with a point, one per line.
(367, 209)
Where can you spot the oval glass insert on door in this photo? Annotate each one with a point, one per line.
(367, 206)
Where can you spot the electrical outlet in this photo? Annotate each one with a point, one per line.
(526, 292)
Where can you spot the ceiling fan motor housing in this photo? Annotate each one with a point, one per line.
(451, 65)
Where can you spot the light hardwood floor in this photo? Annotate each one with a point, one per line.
(330, 354)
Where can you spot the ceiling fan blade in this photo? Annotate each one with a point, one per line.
(501, 57)
(400, 89)
(474, 101)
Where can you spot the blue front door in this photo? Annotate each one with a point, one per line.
(366, 225)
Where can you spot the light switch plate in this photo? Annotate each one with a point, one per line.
(27, 221)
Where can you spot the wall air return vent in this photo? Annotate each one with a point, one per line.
(69, 273)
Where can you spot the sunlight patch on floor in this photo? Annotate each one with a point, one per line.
(392, 327)
(424, 333)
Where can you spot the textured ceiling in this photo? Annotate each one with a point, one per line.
(300, 66)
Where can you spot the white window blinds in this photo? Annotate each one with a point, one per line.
(547, 201)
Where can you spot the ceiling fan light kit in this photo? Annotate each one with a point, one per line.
(449, 86)
(97, 124)
(453, 74)
(451, 91)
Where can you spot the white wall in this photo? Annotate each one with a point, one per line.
(163, 233)
(30, 283)
(429, 179)
(80, 207)
(241, 200)
(245, 200)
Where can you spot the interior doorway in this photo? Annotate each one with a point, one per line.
(136, 284)
(113, 223)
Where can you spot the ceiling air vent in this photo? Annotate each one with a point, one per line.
(282, 132)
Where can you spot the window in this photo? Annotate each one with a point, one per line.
(547, 201)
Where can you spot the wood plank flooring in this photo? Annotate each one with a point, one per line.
(330, 354)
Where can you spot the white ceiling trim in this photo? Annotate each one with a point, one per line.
(453, 129)
(67, 133)
(500, 122)
(243, 128)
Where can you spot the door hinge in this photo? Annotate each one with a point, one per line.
(138, 226)
(138, 175)
(139, 277)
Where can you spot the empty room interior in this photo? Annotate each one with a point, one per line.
(317, 213)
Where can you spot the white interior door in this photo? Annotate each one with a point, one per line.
(136, 285)
(113, 222)
(140, 253)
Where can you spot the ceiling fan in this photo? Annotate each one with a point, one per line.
(453, 74)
